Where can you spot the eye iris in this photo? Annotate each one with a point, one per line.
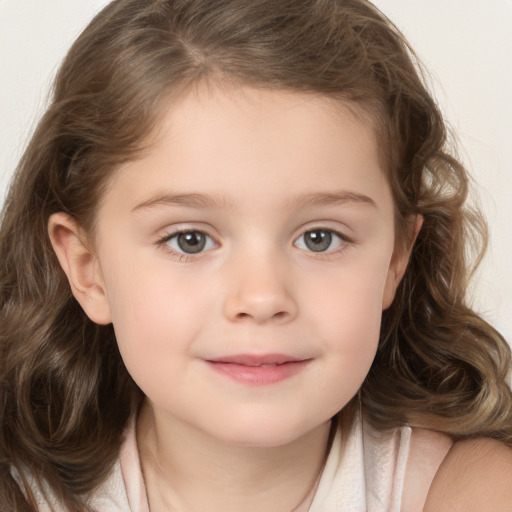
(192, 242)
(318, 240)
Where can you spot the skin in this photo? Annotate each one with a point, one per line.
(475, 476)
(255, 171)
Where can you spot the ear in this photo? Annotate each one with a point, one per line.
(80, 266)
(400, 260)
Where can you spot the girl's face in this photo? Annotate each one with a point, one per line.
(246, 260)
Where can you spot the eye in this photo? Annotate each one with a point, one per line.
(189, 242)
(319, 240)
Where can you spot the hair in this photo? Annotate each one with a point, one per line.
(65, 393)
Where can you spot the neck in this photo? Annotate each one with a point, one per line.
(188, 471)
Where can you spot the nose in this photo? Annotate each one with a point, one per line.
(260, 292)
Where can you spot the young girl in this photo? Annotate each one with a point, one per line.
(233, 275)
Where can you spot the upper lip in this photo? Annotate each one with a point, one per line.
(256, 360)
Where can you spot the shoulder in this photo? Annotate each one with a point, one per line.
(475, 475)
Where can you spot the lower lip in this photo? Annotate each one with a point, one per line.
(259, 375)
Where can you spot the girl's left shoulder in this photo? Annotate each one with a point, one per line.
(475, 475)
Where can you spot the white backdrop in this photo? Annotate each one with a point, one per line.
(466, 44)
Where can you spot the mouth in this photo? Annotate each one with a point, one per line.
(259, 370)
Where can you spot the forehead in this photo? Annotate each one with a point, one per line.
(219, 103)
(237, 139)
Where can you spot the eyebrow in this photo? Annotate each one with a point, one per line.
(196, 200)
(331, 198)
(186, 200)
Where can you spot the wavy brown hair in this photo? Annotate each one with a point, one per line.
(65, 393)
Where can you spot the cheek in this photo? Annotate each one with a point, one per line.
(348, 316)
(351, 335)
(350, 302)
(155, 319)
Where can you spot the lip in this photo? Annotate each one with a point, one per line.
(258, 370)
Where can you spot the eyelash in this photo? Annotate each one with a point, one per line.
(183, 256)
(343, 242)
(163, 242)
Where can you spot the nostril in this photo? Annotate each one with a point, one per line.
(276, 316)
(273, 305)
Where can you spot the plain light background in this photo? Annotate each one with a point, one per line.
(465, 44)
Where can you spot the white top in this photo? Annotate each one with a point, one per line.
(364, 472)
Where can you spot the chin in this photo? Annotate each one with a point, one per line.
(265, 434)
